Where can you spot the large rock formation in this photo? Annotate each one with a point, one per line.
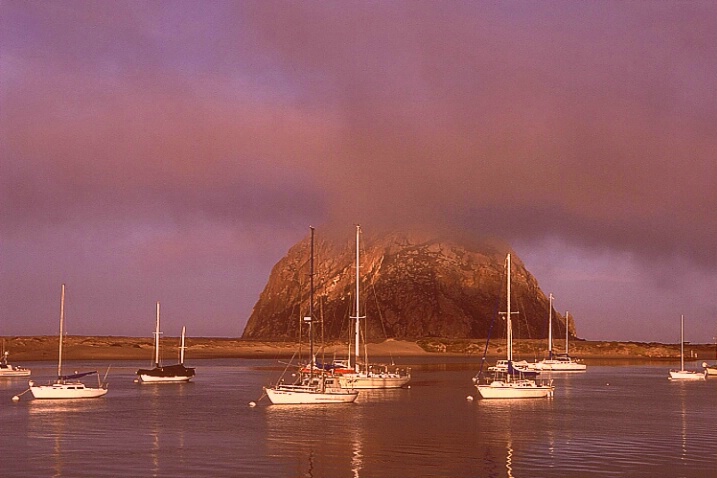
(412, 286)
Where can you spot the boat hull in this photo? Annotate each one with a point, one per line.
(515, 389)
(686, 375)
(288, 395)
(710, 370)
(66, 391)
(169, 374)
(14, 372)
(560, 366)
(373, 381)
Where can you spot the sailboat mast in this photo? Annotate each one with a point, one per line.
(156, 338)
(567, 330)
(62, 326)
(550, 327)
(181, 348)
(357, 332)
(682, 342)
(311, 304)
(508, 315)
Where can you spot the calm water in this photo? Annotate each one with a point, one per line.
(610, 421)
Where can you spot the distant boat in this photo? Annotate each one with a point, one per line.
(528, 369)
(67, 386)
(9, 370)
(364, 375)
(683, 374)
(559, 362)
(315, 386)
(711, 370)
(169, 373)
(512, 383)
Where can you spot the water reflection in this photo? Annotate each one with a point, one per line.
(163, 413)
(357, 452)
(57, 422)
(683, 421)
(509, 460)
(316, 440)
(515, 433)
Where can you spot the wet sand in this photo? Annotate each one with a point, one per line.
(133, 348)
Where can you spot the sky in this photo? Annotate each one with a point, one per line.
(174, 151)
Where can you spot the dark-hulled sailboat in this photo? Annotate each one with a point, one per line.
(168, 373)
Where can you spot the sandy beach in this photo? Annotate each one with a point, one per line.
(24, 349)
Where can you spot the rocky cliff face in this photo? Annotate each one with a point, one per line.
(411, 286)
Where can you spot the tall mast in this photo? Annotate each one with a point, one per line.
(510, 325)
(550, 327)
(181, 348)
(62, 325)
(311, 304)
(156, 338)
(358, 305)
(567, 330)
(682, 342)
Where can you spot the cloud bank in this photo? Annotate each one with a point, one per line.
(174, 151)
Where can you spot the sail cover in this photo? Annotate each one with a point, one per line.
(77, 375)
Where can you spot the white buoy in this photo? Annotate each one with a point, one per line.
(469, 398)
(408, 386)
(252, 404)
(15, 398)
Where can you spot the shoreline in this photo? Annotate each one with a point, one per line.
(44, 348)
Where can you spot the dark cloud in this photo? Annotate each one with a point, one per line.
(194, 138)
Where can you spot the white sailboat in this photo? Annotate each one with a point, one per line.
(67, 386)
(169, 373)
(559, 362)
(314, 387)
(683, 374)
(367, 376)
(10, 370)
(512, 384)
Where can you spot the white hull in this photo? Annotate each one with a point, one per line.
(301, 395)
(153, 379)
(710, 370)
(373, 381)
(560, 366)
(66, 391)
(501, 366)
(8, 370)
(686, 375)
(515, 389)
(14, 372)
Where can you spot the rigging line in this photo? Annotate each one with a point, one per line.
(378, 309)
(380, 318)
(521, 306)
(490, 331)
(375, 296)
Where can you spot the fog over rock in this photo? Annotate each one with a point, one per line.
(412, 285)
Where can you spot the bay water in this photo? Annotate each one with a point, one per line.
(611, 421)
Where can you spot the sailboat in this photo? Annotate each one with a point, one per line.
(315, 386)
(9, 370)
(511, 383)
(683, 374)
(366, 376)
(559, 362)
(170, 373)
(711, 370)
(67, 386)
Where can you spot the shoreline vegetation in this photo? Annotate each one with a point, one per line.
(41, 348)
